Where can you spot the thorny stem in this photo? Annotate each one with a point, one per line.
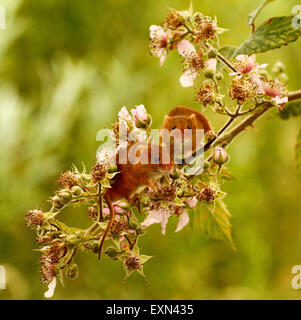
(228, 137)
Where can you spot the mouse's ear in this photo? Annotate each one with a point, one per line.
(193, 119)
(165, 120)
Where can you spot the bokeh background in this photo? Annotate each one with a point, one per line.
(66, 68)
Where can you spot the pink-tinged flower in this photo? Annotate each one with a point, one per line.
(183, 220)
(51, 287)
(220, 156)
(246, 64)
(139, 113)
(124, 119)
(157, 216)
(276, 90)
(158, 43)
(161, 216)
(192, 202)
(211, 64)
(193, 62)
(117, 209)
(124, 114)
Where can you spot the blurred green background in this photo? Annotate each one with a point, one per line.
(66, 68)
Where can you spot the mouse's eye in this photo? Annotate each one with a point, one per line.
(188, 126)
(173, 127)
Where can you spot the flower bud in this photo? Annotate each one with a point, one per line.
(34, 217)
(206, 165)
(77, 191)
(283, 78)
(72, 271)
(212, 53)
(220, 156)
(56, 202)
(65, 195)
(72, 240)
(209, 73)
(278, 68)
(111, 252)
(133, 262)
(112, 168)
(219, 76)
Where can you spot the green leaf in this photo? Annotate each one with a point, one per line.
(216, 224)
(298, 154)
(272, 34)
(290, 110)
(254, 14)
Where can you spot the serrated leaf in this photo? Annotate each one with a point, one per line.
(217, 225)
(290, 110)
(298, 154)
(272, 34)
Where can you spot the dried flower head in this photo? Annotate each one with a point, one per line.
(67, 179)
(164, 192)
(133, 262)
(34, 217)
(205, 95)
(47, 269)
(207, 27)
(118, 226)
(43, 239)
(98, 172)
(174, 19)
(56, 251)
(207, 194)
(240, 90)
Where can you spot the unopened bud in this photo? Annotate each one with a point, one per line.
(220, 156)
(209, 73)
(283, 77)
(65, 195)
(77, 191)
(219, 76)
(278, 68)
(112, 168)
(111, 252)
(72, 271)
(56, 202)
(212, 54)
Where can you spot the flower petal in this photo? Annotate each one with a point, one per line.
(51, 287)
(163, 57)
(154, 216)
(192, 202)
(187, 78)
(186, 48)
(183, 220)
(280, 100)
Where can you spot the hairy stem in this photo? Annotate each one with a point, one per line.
(229, 136)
